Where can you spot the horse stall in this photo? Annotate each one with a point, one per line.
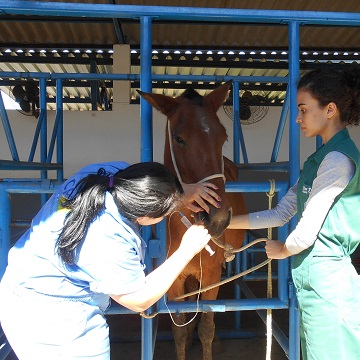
(277, 292)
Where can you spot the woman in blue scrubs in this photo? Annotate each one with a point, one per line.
(326, 199)
(83, 247)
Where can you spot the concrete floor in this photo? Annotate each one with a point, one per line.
(236, 349)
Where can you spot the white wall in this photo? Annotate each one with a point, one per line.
(108, 135)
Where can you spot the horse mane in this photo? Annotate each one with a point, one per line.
(192, 95)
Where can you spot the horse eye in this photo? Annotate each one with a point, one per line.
(179, 140)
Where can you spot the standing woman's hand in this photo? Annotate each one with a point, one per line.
(196, 195)
(276, 249)
(195, 239)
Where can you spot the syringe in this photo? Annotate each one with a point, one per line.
(187, 223)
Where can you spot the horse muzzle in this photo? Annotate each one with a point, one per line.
(216, 222)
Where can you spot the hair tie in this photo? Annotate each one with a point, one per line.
(111, 181)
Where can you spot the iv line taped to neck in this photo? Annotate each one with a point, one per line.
(187, 223)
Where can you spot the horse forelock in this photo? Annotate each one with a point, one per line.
(192, 95)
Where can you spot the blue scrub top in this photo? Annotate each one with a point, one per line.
(110, 259)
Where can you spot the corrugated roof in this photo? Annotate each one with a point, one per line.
(90, 31)
(59, 44)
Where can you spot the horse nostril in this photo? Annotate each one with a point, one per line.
(227, 222)
(205, 218)
(201, 216)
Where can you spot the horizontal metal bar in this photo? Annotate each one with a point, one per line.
(157, 77)
(168, 336)
(258, 277)
(25, 165)
(237, 186)
(197, 14)
(208, 305)
(282, 166)
(20, 224)
(173, 84)
(28, 186)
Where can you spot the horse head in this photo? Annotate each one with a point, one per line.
(193, 146)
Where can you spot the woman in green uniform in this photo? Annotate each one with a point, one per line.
(326, 199)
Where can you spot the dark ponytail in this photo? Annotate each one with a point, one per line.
(84, 207)
(143, 189)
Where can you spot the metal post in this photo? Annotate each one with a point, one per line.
(94, 87)
(146, 85)
(147, 338)
(294, 157)
(237, 130)
(43, 133)
(5, 222)
(294, 74)
(60, 129)
(281, 126)
(8, 131)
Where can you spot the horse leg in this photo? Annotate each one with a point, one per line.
(206, 330)
(190, 330)
(206, 327)
(182, 335)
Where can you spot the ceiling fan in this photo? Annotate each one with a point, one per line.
(253, 106)
(27, 96)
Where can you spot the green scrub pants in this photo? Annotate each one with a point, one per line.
(328, 291)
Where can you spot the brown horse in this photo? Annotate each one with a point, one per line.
(193, 151)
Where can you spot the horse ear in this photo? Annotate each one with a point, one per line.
(218, 96)
(165, 104)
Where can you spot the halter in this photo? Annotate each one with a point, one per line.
(210, 177)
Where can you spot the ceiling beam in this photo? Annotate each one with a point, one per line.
(117, 26)
(185, 14)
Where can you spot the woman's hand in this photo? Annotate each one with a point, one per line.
(195, 195)
(276, 249)
(195, 239)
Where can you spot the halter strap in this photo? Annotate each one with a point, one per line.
(210, 177)
(215, 176)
